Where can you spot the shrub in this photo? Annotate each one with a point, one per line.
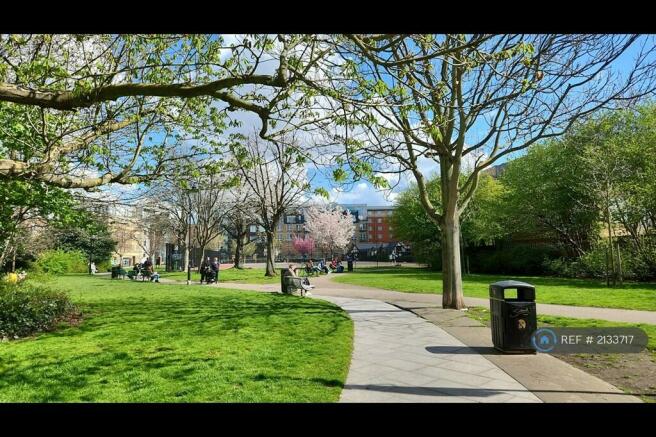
(27, 308)
(104, 266)
(59, 261)
(593, 265)
(520, 259)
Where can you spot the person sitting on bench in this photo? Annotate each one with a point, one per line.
(305, 283)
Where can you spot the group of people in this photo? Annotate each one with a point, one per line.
(146, 269)
(209, 270)
(335, 266)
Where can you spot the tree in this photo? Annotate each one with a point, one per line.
(152, 235)
(88, 110)
(331, 228)
(547, 193)
(407, 103)
(32, 203)
(90, 235)
(618, 153)
(483, 221)
(209, 209)
(276, 177)
(178, 205)
(240, 215)
(303, 246)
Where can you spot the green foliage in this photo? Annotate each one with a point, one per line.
(593, 264)
(89, 235)
(57, 262)
(481, 221)
(21, 201)
(516, 259)
(27, 308)
(411, 223)
(545, 194)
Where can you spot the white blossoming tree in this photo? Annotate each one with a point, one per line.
(331, 228)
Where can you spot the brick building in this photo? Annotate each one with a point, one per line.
(373, 229)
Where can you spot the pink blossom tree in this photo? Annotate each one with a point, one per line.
(331, 228)
(303, 246)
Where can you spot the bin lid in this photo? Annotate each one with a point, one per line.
(511, 284)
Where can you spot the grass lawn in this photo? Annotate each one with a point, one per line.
(245, 276)
(146, 342)
(579, 292)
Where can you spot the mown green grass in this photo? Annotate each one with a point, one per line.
(146, 342)
(578, 292)
(245, 276)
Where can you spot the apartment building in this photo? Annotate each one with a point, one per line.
(373, 229)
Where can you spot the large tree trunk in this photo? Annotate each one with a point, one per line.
(202, 257)
(451, 267)
(238, 251)
(270, 267)
(610, 241)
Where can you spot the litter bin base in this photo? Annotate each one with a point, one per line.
(516, 351)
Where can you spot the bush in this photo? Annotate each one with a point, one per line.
(104, 266)
(58, 262)
(520, 259)
(26, 308)
(593, 265)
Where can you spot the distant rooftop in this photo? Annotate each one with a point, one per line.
(380, 207)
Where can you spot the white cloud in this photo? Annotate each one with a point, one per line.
(363, 192)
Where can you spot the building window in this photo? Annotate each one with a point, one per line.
(363, 236)
(380, 236)
(380, 228)
(380, 220)
(253, 229)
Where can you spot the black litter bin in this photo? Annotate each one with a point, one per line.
(349, 265)
(513, 319)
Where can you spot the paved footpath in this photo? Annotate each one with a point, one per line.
(400, 357)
